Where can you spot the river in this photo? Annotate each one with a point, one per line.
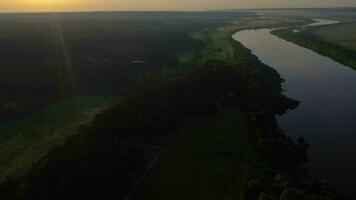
(326, 116)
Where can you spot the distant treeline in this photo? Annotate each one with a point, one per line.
(105, 159)
(308, 39)
(46, 59)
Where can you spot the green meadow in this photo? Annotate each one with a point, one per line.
(23, 142)
(343, 34)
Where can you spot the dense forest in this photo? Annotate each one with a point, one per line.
(37, 69)
(71, 54)
(105, 159)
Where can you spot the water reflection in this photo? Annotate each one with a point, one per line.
(326, 116)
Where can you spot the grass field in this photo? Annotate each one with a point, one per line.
(204, 161)
(24, 142)
(343, 34)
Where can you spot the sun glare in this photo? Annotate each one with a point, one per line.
(47, 5)
(37, 4)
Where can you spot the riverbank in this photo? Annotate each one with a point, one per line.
(221, 46)
(308, 39)
(325, 89)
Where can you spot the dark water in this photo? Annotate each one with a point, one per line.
(327, 114)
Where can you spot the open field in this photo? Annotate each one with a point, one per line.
(204, 161)
(24, 142)
(343, 34)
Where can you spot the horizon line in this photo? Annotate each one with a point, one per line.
(163, 10)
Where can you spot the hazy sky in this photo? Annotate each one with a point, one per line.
(80, 5)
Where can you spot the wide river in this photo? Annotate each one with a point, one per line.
(326, 116)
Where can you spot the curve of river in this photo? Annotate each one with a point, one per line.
(326, 116)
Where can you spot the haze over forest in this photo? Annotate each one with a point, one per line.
(90, 5)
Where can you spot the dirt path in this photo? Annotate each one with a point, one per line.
(147, 170)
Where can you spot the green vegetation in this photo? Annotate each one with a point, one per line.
(69, 56)
(220, 45)
(23, 142)
(112, 148)
(307, 38)
(81, 54)
(343, 34)
(215, 115)
(205, 159)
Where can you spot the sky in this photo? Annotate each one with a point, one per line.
(100, 5)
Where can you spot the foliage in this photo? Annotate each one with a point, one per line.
(64, 56)
(151, 111)
(105, 158)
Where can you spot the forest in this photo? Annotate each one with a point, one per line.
(85, 54)
(103, 161)
(137, 56)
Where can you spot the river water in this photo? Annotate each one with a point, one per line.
(326, 116)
